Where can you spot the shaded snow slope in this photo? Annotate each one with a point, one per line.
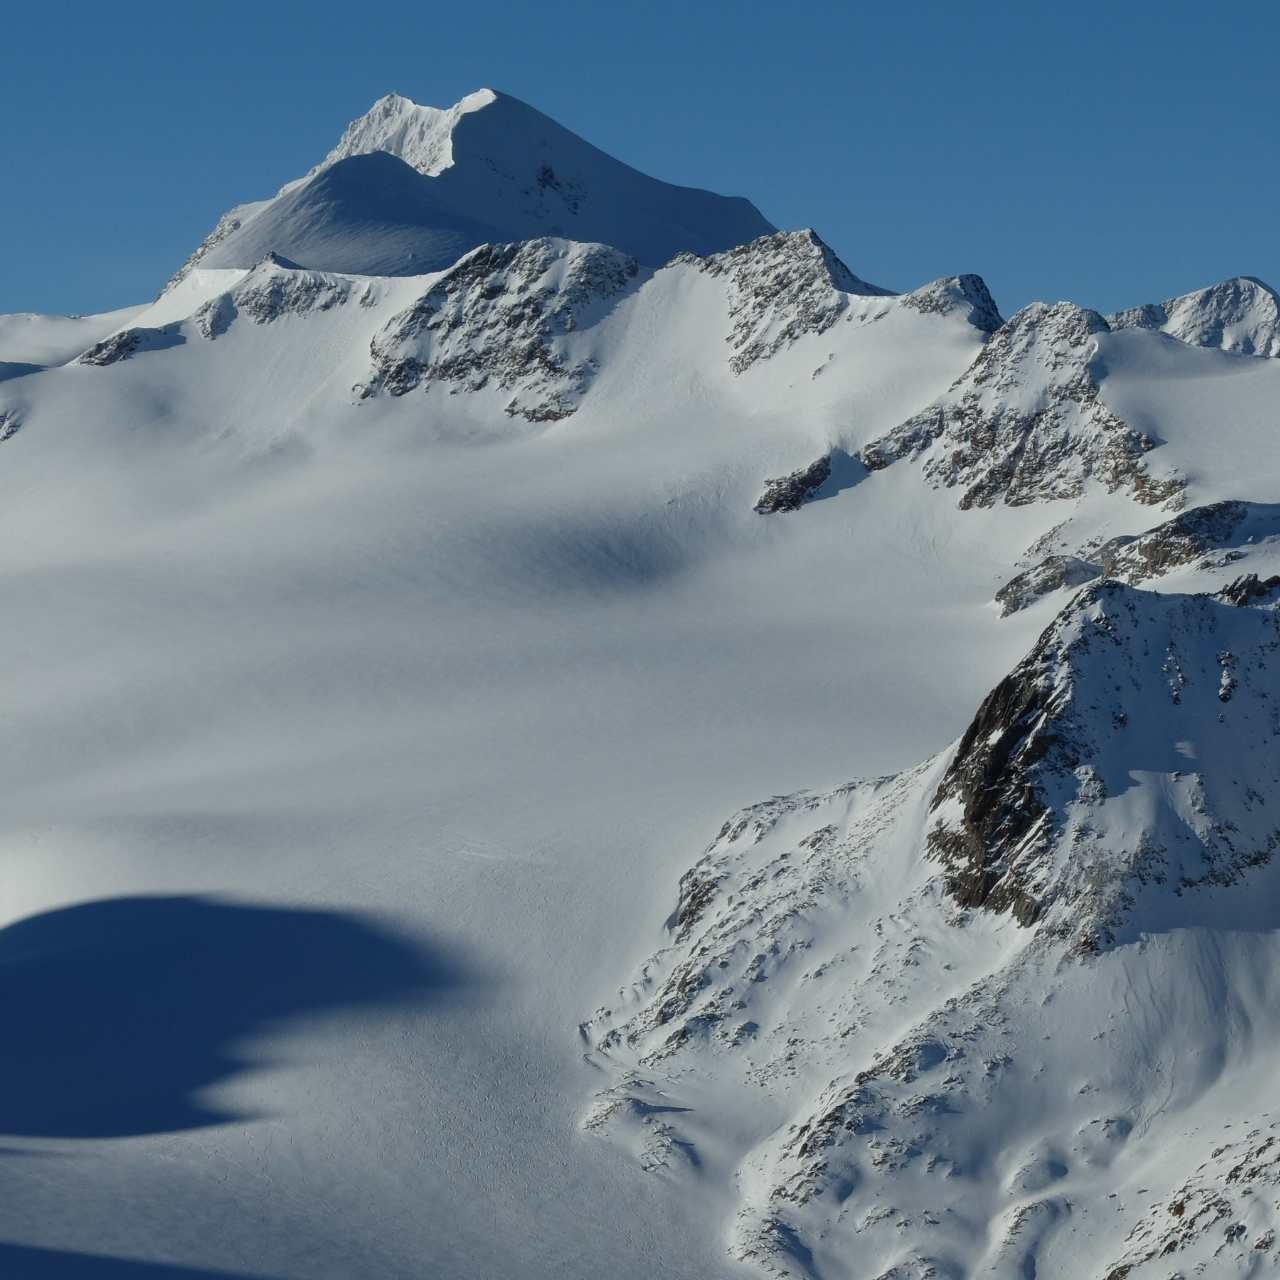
(490, 169)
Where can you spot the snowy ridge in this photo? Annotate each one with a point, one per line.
(1241, 316)
(790, 283)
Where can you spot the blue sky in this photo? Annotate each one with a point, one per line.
(1107, 153)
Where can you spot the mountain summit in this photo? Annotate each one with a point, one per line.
(411, 188)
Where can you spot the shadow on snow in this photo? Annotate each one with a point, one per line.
(118, 1012)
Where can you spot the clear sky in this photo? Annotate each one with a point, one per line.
(1108, 153)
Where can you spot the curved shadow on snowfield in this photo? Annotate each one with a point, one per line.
(118, 1012)
(27, 1263)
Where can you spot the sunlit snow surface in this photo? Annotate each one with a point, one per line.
(380, 728)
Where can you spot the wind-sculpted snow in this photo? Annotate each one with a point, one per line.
(1240, 315)
(516, 318)
(1027, 423)
(864, 974)
(1221, 1221)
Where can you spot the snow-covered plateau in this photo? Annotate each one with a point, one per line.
(396, 605)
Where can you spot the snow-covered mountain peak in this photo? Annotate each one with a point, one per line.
(409, 189)
(419, 135)
(1240, 315)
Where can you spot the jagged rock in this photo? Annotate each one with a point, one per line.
(1240, 315)
(1248, 588)
(10, 424)
(781, 286)
(1190, 536)
(941, 297)
(1026, 421)
(503, 317)
(790, 284)
(120, 346)
(791, 492)
(1187, 537)
(1045, 745)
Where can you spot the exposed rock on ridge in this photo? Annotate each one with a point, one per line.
(504, 318)
(1026, 421)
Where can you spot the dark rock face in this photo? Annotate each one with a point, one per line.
(993, 778)
(1120, 675)
(791, 492)
(1246, 590)
(10, 424)
(499, 319)
(1026, 422)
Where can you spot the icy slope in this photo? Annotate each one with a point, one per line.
(489, 170)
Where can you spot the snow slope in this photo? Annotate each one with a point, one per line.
(380, 647)
(409, 189)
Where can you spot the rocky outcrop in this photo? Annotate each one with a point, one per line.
(1053, 573)
(274, 288)
(789, 285)
(1209, 537)
(781, 287)
(119, 346)
(513, 318)
(1026, 421)
(1049, 745)
(952, 293)
(1219, 1221)
(791, 492)
(128, 342)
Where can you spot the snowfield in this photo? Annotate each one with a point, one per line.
(396, 606)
